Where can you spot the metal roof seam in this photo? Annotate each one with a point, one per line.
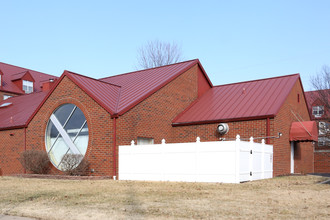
(91, 78)
(148, 69)
(229, 84)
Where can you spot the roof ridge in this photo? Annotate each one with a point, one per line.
(26, 69)
(91, 78)
(149, 69)
(276, 77)
(20, 72)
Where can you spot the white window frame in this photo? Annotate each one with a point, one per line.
(318, 111)
(27, 86)
(144, 141)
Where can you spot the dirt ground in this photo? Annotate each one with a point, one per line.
(294, 197)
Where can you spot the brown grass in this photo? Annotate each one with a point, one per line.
(295, 197)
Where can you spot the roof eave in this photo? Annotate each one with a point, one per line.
(13, 127)
(177, 124)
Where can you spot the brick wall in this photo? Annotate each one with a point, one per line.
(100, 146)
(282, 123)
(322, 161)
(11, 145)
(303, 158)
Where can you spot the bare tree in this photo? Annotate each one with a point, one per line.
(156, 53)
(321, 83)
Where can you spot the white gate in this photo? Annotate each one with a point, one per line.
(219, 161)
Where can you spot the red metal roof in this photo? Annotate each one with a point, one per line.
(304, 131)
(106, 94)
(136, 86)
(11, 72)
(239, 101)
(21, 107)
(118, 94)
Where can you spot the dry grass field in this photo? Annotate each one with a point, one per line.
(294, 197)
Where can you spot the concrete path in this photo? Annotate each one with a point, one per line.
(8, 217)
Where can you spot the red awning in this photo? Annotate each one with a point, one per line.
(304, 131)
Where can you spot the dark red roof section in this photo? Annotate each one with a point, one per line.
(21, 107)
(239, 101)
(137, 86)
(12, 73)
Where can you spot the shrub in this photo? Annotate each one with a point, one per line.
(35, 161)
(75, 165)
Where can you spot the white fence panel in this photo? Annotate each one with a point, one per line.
(225, 161)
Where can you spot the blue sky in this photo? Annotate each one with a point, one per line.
(234, 40)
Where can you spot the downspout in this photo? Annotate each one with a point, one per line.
(114, 146)
(267, 130)
(24, 145)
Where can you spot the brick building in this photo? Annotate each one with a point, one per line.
(178, 102)
(318, 105)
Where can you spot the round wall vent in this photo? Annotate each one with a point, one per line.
(223, 128)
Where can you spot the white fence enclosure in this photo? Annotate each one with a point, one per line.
(219, 161)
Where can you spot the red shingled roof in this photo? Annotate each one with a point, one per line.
(11, 72)
(239, 101)
(21, 107)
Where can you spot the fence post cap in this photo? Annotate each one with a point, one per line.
(132, 142)
(198, 139)
(163, 141)
(238, 137)
(251, 139)
(263, 141)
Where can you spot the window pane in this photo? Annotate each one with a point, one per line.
(58, 151)
(63, 113)
(144, 141)
(82, 140)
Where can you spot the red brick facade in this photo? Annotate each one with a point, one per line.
(152, 118)
(291, 111)
(12, 144)
(322, 161)
(100, 147)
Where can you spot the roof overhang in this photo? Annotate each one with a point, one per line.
(304, 131)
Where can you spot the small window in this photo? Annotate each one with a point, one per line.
(144, 141)
(6, 97)
(298, 98)
(318, 111)
(27, 86)
(324, 128)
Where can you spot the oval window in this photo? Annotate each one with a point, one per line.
(66, 134)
